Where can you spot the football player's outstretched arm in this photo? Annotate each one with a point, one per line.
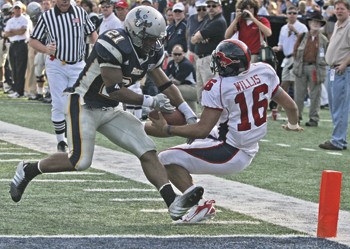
(201, 129)
(172, 92)
(282, 98)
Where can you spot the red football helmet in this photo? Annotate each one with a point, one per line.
(230, 58)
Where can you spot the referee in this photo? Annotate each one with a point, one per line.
(65, 27)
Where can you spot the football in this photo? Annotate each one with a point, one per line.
(174, 118)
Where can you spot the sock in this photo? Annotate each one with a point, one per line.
(40, 90)
(31, 170)
(168, 194)
(60, 137)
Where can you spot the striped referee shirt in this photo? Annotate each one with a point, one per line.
(67, 30)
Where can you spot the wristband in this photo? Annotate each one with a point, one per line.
(147, 101)
(186, 110)
(168, 127)
(292, 127)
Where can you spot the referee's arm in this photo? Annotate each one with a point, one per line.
(93, 37)
(38, 46)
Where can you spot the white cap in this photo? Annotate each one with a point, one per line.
(179, 6)
(200, 4)
(214, 1)
(18, 4)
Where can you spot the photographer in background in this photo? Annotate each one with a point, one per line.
(248, 25)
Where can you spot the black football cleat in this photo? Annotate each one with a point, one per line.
(19, 182)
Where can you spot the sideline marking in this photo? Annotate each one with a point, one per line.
(157, 236)
(335, 153)
(283, 145)
(18, 160)
(136, 199)
(74, 180)
(19, 153)
(308, 149)
(78, 173)
(119, 190)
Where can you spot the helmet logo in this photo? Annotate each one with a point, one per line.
(141, 21)
(225, 61)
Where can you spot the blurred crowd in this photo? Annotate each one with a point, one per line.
(184, 18)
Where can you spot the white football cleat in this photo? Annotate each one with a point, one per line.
(205, 210)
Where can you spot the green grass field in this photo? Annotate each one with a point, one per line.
(68, 208)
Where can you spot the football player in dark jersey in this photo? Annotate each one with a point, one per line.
(119, 59)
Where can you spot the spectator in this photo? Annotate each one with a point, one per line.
(181, 72)
(147, 3)
(6, 14)
(17, 30)
(310, 67)
(176, 32)
(62, 68)
(262, 10)
(169, 16)
(32, 13)
(231, 125)
(4, 48)
(249, 25)
(338, 77)
(110, 20)
(209, 35)
(193, 24)
(121, 10)
(192, 9)
(39, 59)
(302, 9)
(287, 38)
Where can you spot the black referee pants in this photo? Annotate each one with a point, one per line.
(18, 59)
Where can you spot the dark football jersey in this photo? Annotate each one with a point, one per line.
(113, 49)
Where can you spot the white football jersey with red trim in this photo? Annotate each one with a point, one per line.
(244, 100)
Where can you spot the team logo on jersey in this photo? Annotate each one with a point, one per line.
(136, 71)
(141, 21)
(225, 61)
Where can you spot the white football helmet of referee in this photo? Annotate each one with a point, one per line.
(146, 27)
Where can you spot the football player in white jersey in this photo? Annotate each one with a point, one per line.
(231, 125)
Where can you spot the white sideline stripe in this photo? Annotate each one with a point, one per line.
(119, 190)
(18, 160)
(160, 210)
(78, 173)
(73, 180)
(19, 153)
(308, 149)
(6, 148)
(163, 210)
(3, 143)
(136, 199)
(235, 222)
(264, 140)
(335, 153)
(283, 145)
(157, 236)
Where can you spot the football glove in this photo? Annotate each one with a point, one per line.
(160, 102)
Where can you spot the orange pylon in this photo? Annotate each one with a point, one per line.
(329, 204)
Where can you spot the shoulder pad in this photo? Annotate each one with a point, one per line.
(113, 46)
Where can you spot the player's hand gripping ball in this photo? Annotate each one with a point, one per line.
(174, 118)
